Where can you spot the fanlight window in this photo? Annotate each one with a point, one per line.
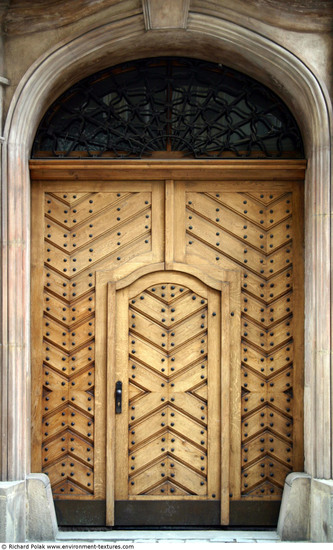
(164, 107)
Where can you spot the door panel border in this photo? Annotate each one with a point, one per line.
(120, 310)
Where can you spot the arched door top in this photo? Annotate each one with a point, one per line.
(178, 106)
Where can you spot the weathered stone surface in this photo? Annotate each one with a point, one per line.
(294, 15)
(41, 517)
(12, 511)
(22, 16)
(294, 519)
(322, 510)
(26, 16)
(165, 14)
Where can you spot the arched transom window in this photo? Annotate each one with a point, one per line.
(162, 107)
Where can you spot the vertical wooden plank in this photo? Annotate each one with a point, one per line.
(157, 213)
(121, 374)
(225, 402)
(101, 361)
(298, 325)
(235, 385)
(37, 268)
(214, 394)
(110, 413)
(169, 221)
(179, 222)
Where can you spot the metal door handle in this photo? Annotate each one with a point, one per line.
(119, 396)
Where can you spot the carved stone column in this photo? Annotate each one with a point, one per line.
(3, 371)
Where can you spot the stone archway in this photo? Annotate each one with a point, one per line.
(206, 37)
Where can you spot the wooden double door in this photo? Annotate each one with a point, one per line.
(167, 309)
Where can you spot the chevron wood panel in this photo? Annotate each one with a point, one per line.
(169, 407)
(253, 232)
(83, 232)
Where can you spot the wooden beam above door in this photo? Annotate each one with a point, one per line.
(224, 170)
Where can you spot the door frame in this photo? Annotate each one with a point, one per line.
(229, 285)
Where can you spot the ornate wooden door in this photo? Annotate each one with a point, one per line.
(167, 363)
(111, 233)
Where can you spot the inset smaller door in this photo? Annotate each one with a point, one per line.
(166, 375)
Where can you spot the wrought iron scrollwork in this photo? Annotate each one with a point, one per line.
(184, 107)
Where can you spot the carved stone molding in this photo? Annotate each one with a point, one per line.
(3, 82)
(165, 14)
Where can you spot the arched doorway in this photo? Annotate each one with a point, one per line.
(238, 221)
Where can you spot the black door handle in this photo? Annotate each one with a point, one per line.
(119, 396)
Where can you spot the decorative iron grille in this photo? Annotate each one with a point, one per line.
(168, 106)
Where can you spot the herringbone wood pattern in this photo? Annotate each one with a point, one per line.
(168, 392)
(254, 232)
(84, 232)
